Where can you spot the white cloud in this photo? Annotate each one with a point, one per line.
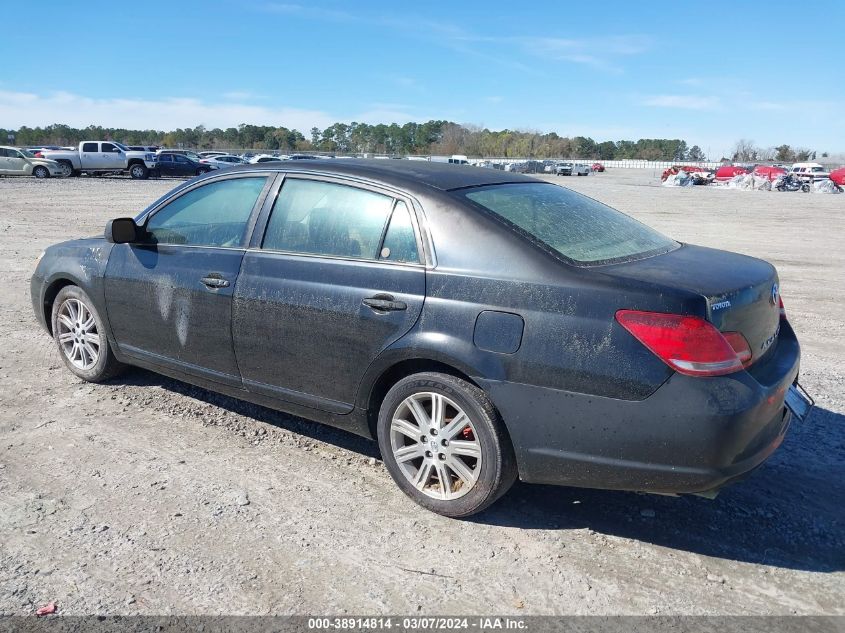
(166, 113)
(685, 102)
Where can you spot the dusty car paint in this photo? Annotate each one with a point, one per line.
(583, 402)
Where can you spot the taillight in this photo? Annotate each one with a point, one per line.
(781, 308)
(688, 344)
(740, 346)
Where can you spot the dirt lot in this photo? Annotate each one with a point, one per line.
(150, 496)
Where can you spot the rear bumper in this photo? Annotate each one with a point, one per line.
(690, 435)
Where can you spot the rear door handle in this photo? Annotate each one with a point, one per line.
(214, 280)
(384, 303)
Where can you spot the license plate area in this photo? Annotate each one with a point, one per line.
(799, 402)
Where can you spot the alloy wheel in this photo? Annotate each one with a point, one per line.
(77, 334)
(435, 445)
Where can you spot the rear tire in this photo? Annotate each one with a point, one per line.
(66, 167)
(461, 440)
(80, 335)
(41, 172)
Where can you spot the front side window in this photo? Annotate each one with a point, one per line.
(582, 230)
(107, 147)
(216, 214)
(323, 218)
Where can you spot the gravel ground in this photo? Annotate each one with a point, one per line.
(150, 496)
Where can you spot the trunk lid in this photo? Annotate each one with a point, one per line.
(742, 292)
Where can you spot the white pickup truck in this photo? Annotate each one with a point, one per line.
(103, 156)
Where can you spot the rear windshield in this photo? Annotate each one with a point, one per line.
(578, 228)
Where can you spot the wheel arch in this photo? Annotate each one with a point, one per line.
(380, 384)
(50, 293)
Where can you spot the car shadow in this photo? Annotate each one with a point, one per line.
(789, 513)
(301, 426)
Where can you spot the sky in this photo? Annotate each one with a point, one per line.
(709, 73)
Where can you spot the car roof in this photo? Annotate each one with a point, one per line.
(400, 173)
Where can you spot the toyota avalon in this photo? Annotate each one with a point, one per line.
(481, 325)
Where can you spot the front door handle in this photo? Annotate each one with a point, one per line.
(384, 303)
(213, 280)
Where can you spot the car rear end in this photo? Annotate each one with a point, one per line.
(662, 367)
(734, 359)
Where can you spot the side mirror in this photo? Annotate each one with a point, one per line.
(117, 150)
(122, 231)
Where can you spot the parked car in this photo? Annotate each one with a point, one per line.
(809, 171)
(212, 154)
(183, 152)
(726, 172)
(266, 158)
(221, 161)
(838, 176)
(36, 150)
(21, 162)
(143, 148)
(597, 167)
(95, 157)
(563, 168)
(173, 164)
(604, 354)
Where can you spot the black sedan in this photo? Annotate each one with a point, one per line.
(481, 325)
(180, 165)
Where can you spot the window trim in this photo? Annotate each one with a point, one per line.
(144, 219)
(260, 230)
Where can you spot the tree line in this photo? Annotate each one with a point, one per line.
(747, 152)
(429, 138)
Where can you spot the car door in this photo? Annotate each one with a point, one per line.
(182, 166)
(321, 292)
(89, 155)
(111, 157)
(16, 164)
(169, 296)
(4, 160)
(165, 164)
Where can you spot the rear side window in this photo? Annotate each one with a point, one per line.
(400, 243)
(215, 214)
(582, 230)
(323, 218)
(89, 147)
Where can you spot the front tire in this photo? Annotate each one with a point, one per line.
(41, 172)
(139, 171)
(80, 335)
(445, 445)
